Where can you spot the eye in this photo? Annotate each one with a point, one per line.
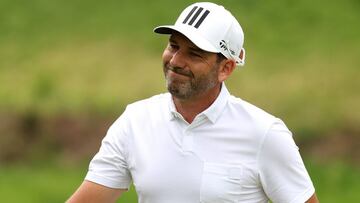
(195, 54)
(173, 46)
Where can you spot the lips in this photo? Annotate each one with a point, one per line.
(180, 71)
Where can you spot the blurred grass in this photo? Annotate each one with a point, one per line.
(40, 182)
(79, 56)
(335, 182)
(90, 56)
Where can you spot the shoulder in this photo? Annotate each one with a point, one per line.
(140, 113)
(146, 109)
(250, 114)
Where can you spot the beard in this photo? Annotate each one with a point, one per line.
(188, 85)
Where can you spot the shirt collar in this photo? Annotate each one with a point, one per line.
(216, 108)
(212, 112)
(172, 109)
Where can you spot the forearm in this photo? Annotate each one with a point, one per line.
(90, 192)
(313, 199)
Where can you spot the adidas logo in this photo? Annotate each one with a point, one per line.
(194, 15)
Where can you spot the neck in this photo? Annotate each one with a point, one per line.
(191, 107)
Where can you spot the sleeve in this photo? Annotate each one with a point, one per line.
(109, 166)
(282, 172)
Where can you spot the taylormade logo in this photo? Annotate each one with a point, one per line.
(194, 14)
(224, 46)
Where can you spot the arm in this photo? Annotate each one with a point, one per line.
(90, 192)
(108, 171)
(282, 172)
(313, 199)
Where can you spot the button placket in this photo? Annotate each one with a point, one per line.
(199, 120)
(188, 141)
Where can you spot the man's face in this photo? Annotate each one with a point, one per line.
(189, 71)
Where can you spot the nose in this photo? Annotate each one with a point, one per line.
(177, 59)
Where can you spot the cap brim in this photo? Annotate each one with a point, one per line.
(195, 38)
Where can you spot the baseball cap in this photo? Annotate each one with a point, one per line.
(210, 27)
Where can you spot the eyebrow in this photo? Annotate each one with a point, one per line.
(197, 49)
(172, 40)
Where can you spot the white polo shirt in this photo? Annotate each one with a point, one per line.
(231, 152)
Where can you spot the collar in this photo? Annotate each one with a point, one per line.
(212, 112)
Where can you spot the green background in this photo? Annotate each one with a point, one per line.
(68, 69)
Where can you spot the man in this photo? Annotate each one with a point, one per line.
(198, 143)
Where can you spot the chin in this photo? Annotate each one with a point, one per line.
(180, 90)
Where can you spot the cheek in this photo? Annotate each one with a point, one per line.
(165, 60)
(166, 56)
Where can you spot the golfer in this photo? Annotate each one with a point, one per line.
(198, 143)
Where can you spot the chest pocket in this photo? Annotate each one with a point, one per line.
(221, 183)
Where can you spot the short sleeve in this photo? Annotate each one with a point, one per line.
(282, 171)
(109, 166)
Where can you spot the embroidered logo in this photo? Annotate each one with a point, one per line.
(224, 46)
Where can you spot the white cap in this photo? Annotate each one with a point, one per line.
(212, 28)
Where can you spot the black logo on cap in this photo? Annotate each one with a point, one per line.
(224, 46)
(195, 16)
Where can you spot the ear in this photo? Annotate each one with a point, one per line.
(242, 54)
(227, 66)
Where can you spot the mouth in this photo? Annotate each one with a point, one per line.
(180, 71)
